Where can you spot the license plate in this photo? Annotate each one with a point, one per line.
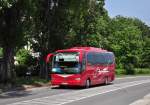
(64, 83)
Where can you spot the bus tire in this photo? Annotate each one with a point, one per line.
(106, 81)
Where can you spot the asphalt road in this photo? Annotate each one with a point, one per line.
(122, 92)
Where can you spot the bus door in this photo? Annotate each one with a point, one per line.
(91, 68)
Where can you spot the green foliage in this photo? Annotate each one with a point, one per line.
(1, 52)
(125, 41)
(24, 57)
(145, 71)
(120, 72)
(13, 18)
(49, 25)
(145, 58)
(25, 63)
(86, 24)
(6, 3)
(137, 71)
(129, 69)
(13, 15)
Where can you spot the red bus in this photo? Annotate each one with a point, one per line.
(82, 66)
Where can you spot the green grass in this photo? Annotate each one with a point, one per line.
(138, 71)
(142, 71)
(120, 72)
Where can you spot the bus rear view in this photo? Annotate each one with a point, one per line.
(82, 66)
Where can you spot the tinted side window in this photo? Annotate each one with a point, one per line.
(112, 57)
(104, 58)
(109, 58)
(99, 58)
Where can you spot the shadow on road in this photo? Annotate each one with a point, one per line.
(67, 87)
(15, 94)
(77, 87)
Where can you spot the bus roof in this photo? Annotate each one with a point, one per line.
(87, 49)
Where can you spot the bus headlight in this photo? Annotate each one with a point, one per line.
(78, 79)
(105, 69)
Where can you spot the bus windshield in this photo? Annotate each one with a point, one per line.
(66, 63)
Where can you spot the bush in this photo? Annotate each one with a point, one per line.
(24, 58)
(129, 69)
(137, 71)
(142, 71)
(120, 72)
(26, 63)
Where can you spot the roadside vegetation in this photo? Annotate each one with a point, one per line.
(34, 27)
(136, 71)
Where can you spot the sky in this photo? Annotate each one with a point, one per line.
(130, 8)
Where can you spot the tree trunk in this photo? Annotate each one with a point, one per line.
(8, 73)
(43, 68)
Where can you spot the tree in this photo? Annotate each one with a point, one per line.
(50, 27)
(145, 39)
(125, 40)
(12, 18)
(53, 21)
(87, 24)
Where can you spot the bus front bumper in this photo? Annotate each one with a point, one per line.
(67, 83)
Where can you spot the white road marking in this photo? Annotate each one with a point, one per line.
(79, 95)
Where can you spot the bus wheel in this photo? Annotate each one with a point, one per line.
(87, 84)
(106, 81)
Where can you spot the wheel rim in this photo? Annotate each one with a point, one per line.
(87, 83)
(106, 81)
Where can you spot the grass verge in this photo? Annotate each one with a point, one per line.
(137, 71)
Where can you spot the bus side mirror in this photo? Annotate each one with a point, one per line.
(49, 58)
